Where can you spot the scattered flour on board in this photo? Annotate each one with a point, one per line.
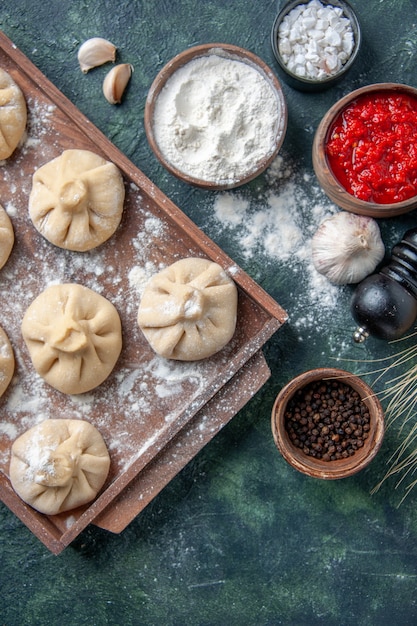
(278, 226)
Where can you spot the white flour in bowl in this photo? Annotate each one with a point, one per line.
(216, 118)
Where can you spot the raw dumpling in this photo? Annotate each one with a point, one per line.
(188, 311)
(7, 362)
(76, 200)
(13, 115)
(74, 337)
(6, 236)
(58, 465)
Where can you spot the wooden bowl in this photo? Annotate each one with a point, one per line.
(306, 84)
(318, 468)
(229, 52)
(333, 188)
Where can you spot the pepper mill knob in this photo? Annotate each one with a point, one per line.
(385, 304)
(360, 335)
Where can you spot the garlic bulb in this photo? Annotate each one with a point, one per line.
(347, 247)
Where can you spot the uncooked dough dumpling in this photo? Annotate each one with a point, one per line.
(188, 310)
(6, 236)
(13, 115)
(76, 200)
(7, 362)
(74, 337)
(59, 465)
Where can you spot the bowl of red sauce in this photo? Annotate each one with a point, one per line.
(365, 150)
(327, 423)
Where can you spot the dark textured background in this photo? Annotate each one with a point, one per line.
(238, 537)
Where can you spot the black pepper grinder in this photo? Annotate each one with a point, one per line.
(385, 304)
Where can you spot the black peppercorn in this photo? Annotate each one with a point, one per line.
(327, 434)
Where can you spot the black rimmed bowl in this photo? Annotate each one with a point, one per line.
(310, 84)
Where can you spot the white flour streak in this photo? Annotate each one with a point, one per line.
(277, 226)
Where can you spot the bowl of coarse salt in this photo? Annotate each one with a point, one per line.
(315, 42)
(216, 116)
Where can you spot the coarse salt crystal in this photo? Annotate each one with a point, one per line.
(309, 22)
(331, 62)
(314, 40)
(332, 37)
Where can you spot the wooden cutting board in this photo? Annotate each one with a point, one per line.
(148, 404)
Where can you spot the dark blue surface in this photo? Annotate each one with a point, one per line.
(239, 537)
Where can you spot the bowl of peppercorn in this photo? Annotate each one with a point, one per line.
(364, 150)
(327, 423)
(315, 42)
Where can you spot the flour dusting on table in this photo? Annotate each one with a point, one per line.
(277, 226)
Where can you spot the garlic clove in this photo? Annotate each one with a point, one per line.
(347, 247)
(94, 52)
(116, 81)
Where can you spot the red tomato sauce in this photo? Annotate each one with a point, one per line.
(372, 147)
